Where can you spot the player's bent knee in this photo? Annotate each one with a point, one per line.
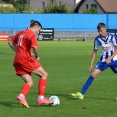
(31, 84)
(45, 75)
(116, 70)
(93, 75)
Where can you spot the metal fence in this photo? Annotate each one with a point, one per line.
(68, 35)
(64, 35)
(75, 35)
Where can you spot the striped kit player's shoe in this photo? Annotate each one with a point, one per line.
(77, 95)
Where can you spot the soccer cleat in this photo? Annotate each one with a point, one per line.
(22, 101)
(45, 101)
(78, 95)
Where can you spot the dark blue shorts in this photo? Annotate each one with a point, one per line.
(102, 66)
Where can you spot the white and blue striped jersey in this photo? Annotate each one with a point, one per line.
(107, 44)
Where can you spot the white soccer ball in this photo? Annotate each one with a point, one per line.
(55, 99)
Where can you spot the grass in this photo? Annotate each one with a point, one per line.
(67, 64)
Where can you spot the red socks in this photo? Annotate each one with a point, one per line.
(25, 89)
(41, 87)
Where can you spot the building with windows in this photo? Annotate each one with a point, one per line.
(35, 4)
(103, 6)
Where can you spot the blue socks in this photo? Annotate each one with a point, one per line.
(87, 84)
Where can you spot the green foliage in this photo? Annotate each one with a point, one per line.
(7, 9)
(7, 1)
(55, 8)
(27, 9)
(90, 11)
(38, 10)
(18, 6)
(21, 6)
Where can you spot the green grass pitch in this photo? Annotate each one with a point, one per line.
(67, 63)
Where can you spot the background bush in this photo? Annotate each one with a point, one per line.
(20, 6)
(90, 11)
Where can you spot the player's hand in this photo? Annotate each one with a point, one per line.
(90, 68)
(38, 58)
(107, 61)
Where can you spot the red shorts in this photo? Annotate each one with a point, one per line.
(27, 67)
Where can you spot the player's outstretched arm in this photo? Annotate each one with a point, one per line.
(13, 46)
(92, 59)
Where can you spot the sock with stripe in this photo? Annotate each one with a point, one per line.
(25, 90)
(41, 88)
(87, 84)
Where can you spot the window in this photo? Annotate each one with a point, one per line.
(87, 6)
(94, 6)
(74, 2)
(59, 3)
(43, 5)
(52, 1)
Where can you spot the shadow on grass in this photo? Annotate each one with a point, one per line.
(2, 53)
(69, 97)
(9, 104)
(17, 105)
(100, 98)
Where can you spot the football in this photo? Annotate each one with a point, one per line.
(55, 99)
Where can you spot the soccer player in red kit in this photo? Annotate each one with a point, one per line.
(25, 64)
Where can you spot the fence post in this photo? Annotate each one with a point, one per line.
(60, 35)
(84, 36)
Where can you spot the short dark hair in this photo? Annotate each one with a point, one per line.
(34, 23)
(31, 21)
(100, 25)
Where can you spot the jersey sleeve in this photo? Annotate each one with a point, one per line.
(14, 39)
(96, 44)
(34, 43)
(114, 39)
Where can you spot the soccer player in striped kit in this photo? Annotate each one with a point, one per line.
(108, 42)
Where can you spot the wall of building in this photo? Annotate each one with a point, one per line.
(35, 4)
(58, 21)
(89, 2)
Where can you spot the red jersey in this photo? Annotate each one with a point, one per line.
(24, 41)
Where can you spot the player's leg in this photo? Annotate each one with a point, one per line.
(42, 81)
(99, 67)
(25, 89)
(42, 85)
(80, 95)
(113, 66)
(90, 80)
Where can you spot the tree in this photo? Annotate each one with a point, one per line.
(20, 5)
(7, 9)
(55, 8)
(8, 1)
(90, 11)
